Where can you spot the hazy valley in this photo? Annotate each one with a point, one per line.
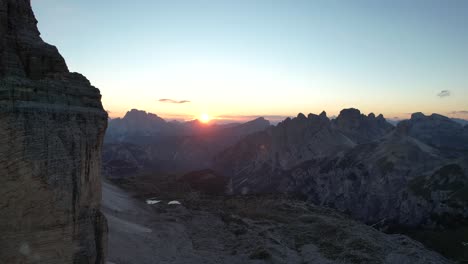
(409, 178)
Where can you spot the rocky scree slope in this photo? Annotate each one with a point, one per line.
(250, 229)
(52, 126)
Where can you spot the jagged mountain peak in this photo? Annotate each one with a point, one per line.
(301, 116)
(323, 114)
(141, 115)
(259, 120)
(361, 128)
(353, 114)
(417, 115)
(301, 120)
(349, 113)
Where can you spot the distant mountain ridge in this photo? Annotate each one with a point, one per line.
(142, 141)
(438, 131)
(461, 121)
(139, 123)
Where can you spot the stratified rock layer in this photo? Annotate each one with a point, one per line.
(52, 126)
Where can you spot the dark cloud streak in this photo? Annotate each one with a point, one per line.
(444, 93)
(252, 116)
(171, 101)
(462, 112)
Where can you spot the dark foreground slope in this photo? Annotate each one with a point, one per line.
(239, 229)
(52, 126)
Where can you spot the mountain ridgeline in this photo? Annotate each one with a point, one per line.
(411, 174)
(414, 174)
(141, 142)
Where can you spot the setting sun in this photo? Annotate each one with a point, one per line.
(205, 118)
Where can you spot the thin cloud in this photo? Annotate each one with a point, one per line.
(171, 101)
(241, 117)
(444, 93)
(462, 112)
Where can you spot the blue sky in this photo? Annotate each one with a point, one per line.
(258, 57)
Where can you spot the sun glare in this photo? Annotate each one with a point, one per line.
(205, 118)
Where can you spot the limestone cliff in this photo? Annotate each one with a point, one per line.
(52, 125)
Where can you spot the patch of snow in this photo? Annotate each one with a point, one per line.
(24, 249)
(152, 201)
(174, 203)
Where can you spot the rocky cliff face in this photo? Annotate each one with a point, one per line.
(52, 126)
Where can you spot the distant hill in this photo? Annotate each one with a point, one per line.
(395, 122)
(462, 122)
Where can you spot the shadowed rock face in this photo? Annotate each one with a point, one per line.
(52, 126)
(22, 51)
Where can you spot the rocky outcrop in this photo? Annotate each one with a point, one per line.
(52, 126)
(138, 124)
(361, 128)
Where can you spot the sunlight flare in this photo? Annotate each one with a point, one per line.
(205, 118)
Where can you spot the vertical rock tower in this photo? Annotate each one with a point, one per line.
(52, 125)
